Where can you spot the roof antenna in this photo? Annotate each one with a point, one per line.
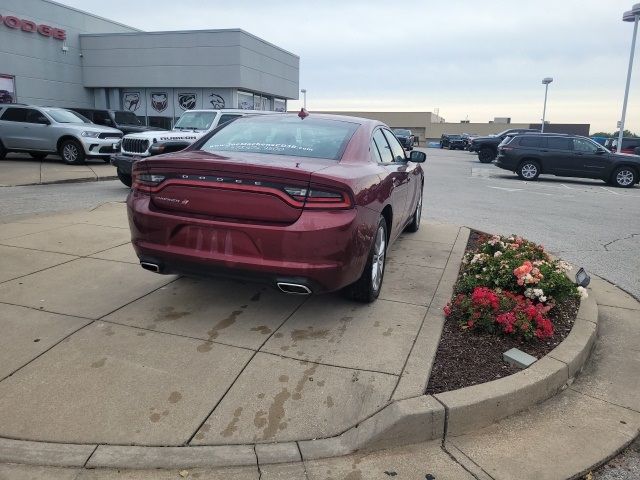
(303, 113)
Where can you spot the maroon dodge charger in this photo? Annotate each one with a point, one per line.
(307, 202)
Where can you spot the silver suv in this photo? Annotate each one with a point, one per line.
(41, 131)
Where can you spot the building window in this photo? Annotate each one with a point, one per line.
(279, 105)
(7, 89)
(245, 100)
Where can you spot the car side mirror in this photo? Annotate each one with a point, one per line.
(600, 151)
(43, 120)
(107, 121)
(417, 157)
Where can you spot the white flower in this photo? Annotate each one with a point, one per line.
(497, 254)
(542, 298)
(538, 292)
(583, 292)
(529, 293)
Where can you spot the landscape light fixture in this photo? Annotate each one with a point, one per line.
(582, 278)
(545, 81)
(632, 15)
(304, 96)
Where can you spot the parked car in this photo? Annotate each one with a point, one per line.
(406, 137)
(568, 156)
(191, 126)
(629, 144)
(41, 131)
(487, 147)
(124, 120)
(5, 96)
(452, 141)
(307, 203)
(467, 138)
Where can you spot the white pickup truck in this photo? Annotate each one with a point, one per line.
(192, 125)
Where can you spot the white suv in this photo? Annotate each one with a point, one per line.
(41, 131)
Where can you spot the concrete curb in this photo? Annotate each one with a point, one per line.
(401, 422)
(66, 180)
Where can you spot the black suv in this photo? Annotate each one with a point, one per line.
(567, 156)
(452, 141)
(125, 121)
(487, 147)
(405, 137)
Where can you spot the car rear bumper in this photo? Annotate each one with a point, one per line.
(505, 163)
(323, 250)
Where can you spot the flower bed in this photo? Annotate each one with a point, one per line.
(509, 293)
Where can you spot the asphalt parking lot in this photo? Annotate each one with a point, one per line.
(586, 222)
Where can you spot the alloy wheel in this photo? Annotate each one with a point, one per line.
(377, 265)
(529, 171)
(70, 153)
(624, 178)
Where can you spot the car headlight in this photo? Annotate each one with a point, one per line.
(90, 134)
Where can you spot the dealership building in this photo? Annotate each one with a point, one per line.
(55, 55)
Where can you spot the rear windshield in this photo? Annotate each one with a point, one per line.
(283, 135)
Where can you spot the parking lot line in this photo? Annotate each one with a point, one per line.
(610, 191)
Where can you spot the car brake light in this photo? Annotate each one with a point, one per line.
(315, 198)
(146, 181)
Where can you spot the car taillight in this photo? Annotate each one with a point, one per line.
(319, 199)
(146, 181)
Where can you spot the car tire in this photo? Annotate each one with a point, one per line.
(486, 155)
(38, 155)
(367, 288)
(528, 170)
(624, 177)
(441, 146)
(414, 226)
(3, 151)
(125, 178)
(72, 152)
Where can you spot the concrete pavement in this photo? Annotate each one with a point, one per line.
(99, 351)
(21, 169)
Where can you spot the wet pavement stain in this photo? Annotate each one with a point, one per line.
(308, 334)
(300, 352)
(232, 427)
(99, 363)
(284, 348)
(342, 328)
(278, 335)
(329, 401)
(263, 329)
(260, 419)
(376, 323)
(256, 297)
(261, 395)
(109, 331)
(155, 417)
(175, 397)
(141, 334)
(307, 375)
(387, 332)
(276, 414)
(283, 378)
(169, 313)
(203, 431)
(215, 330)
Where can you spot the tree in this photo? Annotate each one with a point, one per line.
(625, 133)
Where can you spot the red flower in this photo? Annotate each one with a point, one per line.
(447, 310)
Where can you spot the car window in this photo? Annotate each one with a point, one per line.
(558, 143)
(84, 112)
(100, 117)
(383, 147)
(396, 148)
(195, 120)
(375, 153)
(34, 116)
(227, 117)
(630, 142)
(15, 114)
(583, 145)
(531, 141)
(61, 115)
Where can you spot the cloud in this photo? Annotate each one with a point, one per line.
(483, 58)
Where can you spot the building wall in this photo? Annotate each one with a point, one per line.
(415, 121)
(196, 59)
(44, 74)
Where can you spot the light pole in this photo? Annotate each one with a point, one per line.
(631, 16)
(304, 96)
(545, 81)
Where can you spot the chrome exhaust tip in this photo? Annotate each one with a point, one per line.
(294, 288)
(152, 267)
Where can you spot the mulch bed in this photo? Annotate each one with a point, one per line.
(467, 358)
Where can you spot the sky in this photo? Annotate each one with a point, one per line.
(466, 59)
